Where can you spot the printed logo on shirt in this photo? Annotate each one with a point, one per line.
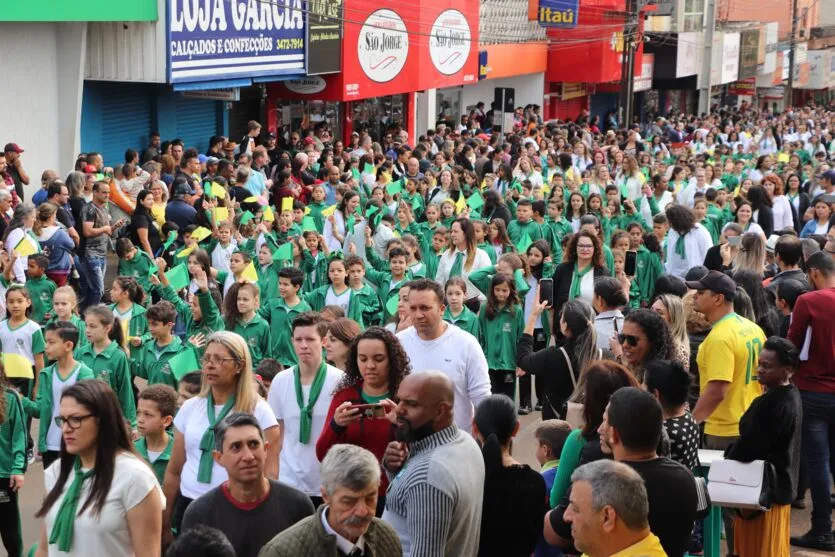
(506, 328)
(104, 375)
(19, 342)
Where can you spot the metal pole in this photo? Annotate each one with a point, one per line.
(627, 72)
(707, 56)
(789, 89)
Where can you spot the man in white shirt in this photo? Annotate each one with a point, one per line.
(300, 397)
(432, 343)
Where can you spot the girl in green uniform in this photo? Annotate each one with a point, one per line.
(128, 296)
(456, 312)
(502, 322)
(65, 308)
(240, 307)
(12, 465)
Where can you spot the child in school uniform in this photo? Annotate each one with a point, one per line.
(550, 438)
(372, 309)
(280, 312)
(267, 271)
(12, 465)
(389, 282)
(104, 355)
(156, 408)
(540, 267)
(151, 360)
(134, 263)
(457, 313)
(314, 260)
(39, 286)
(414, 258)
(127, 297)
(556, 227)
(337, 293)
(65, 308)
(237, 265)
(480, 229)
(240, 314)
(502, 321)
(221, 251)
(523, 223)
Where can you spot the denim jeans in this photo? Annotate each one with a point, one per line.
(94, 268)
(817, 433)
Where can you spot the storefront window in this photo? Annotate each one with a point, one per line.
(378, 115)
(303, 115)
(693, 15)
(448, 106)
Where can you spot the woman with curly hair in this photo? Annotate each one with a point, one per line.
(582, 264)
(376, 365)
(645, 337)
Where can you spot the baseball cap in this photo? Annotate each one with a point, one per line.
(309, 141)
(269, 135)
(212, 160)
(715, 282)
(829, 175)
(12, 147)
(183, 189)
(202, 158)
(90, 169)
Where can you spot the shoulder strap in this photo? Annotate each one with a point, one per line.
(570, 367)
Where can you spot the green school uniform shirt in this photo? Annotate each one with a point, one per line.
(42, 407)
(369, 301)
(256, 333)
(41, 291)
(280, 317)
(267, 281)
(516, 230)
(211, 319)
(316, 208)
(609, 259)
(154, 367)
(13, 437)
(466, 320)
(311, 265)
(161, 463)
(111, 366)
(318, 299)
(490, 251)
(141, 267)
(481, 279)
(648, 267)
(501, 336)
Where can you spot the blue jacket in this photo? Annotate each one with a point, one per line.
(180, 213)
(58, 246)
(809, 228)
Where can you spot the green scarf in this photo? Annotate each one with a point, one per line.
(679, 249)
(306, 418)
(207, 442)
(62, 530)
(457, 265)
(577, 281)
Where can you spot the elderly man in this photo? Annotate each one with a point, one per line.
(435, 497)
(608, 512)
(179, 209)
(249, 508)
(345, 526)
(47, 178)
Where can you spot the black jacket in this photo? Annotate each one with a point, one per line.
(563, 275)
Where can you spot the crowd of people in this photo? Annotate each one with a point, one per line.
(334, 342)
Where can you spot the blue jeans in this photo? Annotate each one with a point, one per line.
(94, 268)
(818, 430)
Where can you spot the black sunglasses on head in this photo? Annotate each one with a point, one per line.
(632, 340)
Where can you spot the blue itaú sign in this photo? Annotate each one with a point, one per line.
(561, 14)
(211, 40)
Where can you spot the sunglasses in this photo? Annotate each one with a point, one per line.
(632, 340)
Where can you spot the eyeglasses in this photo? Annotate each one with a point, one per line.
(584, 246)
(632, 340)
(73, 422)
(216, 360)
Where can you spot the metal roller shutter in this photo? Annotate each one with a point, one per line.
(126, 119)
(197, 121)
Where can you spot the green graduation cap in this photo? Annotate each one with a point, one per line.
(308, 224)
(524, 243)
(184, 362)
(246, 217)
(178, 276)
(392, 303)
(284, 252)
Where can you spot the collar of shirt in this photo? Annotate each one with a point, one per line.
(341, 543)
(437, 439)
(550, 464)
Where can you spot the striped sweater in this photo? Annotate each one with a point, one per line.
(434, 502)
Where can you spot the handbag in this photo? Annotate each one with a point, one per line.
(703, 502)
(574, 410)
(742, 485)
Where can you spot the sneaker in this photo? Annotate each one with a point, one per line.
(30, 456)
(538, 407)
(811, 540)
(524, 410)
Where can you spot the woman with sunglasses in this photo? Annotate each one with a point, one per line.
(227, 388)
(102, 498)
(582, 263)
(645, 337)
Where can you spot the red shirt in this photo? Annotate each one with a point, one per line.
(373, 434)
(816, 310)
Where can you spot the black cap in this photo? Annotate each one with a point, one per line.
(828, 175)
(695, 273)
(715, 282)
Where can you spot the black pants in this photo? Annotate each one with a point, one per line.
(10, 520)
(181, 503)
(503, 382)
(24, 387)
(525, 380)
(49, 457)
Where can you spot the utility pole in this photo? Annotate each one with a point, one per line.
(627, 71)
(707, 57)
(789, 88)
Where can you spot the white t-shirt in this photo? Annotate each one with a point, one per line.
(53, 433)
(341, 300)
(298, 465)
(221, 256)
(107, 533)
(22, 340)
(458, 355)
(192, 420)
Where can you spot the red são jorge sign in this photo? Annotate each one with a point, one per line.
(389, 50)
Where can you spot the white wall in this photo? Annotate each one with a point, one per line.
(41, 94)
(529, 90)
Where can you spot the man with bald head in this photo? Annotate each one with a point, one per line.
(436, 470)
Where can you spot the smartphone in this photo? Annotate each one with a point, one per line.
(546, 291)
(630, 263)
(371, 410)
(735, 240)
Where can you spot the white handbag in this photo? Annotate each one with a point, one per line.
(741, 485)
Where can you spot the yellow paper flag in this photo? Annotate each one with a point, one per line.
(461, 204)
(385, 178)
(218, 190)
(329, 211)
(201, 233)
(307, 210)
(287, 204)
(16, 365)
(221, 214)
(187, 251)
(251, 199)
(782, 157)
(250, 274)
(268, 215)
(25, 247)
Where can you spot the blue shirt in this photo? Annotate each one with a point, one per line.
(39, 197)
(330, 194)
(180, 213)
(256, 183)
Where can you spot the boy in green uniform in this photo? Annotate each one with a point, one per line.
(267, 270)
(135, 263)
(372, 311)
(556, 227)
(524, 223)
(39, 286)
(314, 261)
(280, 313)
(157, 405)
(388, 282)
(150, 361)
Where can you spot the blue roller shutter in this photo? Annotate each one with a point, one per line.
(197, 121)
(126, 119)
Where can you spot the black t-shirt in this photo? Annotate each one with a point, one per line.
(144, 220)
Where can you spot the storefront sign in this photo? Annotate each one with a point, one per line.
(770, 60)
(324, 36)
(746, 86)
(88, 10)
(749, 49)
(209, 41)
(383, 46)
(449, 42)
(821, 69)
(306, 85)
(573, 91)
(483, 68)
(725, 58)
(688, 54)
(643, 82)
(230, 94)
(561, 14)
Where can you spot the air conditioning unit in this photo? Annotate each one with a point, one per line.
(801, 34)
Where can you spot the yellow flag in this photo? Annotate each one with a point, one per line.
(307, 210)
(218, 190)
(16, 365)
(25, 248)
(221, 214)
(782, 157)
(201, 233)
(329, 211)
(461, 204)
(251, 199)
(268, 215)
(385, 178)
(287, 204)
(187, 251)
(250, 274)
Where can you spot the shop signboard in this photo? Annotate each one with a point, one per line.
(643, 82)
(688, 54)
(747, 86)
(560, 14)
(821, 66)
(229, 94)
(88, 10)
(232, 39)
(483, 68)
(770, 59)
(324, 36)
(749, 49)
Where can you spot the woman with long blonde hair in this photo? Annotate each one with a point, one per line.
(672, 311)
